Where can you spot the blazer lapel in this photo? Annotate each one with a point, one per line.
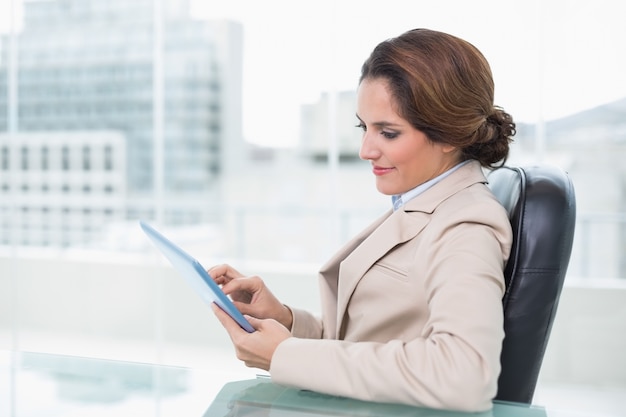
(395, 229)
(329, 273)
(343, 272)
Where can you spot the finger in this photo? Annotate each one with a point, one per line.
(234, 330)
(229, 324)
(244, 284)
(217, 271)
(223, 270)
(244, 307)
(254, 322)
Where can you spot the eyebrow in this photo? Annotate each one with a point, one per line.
(381, 123)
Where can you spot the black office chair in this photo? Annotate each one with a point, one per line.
(541, 204)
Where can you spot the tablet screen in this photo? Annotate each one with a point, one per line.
(195, 275)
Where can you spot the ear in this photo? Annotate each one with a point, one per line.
(447, 148)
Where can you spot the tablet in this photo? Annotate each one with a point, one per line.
(196, 275)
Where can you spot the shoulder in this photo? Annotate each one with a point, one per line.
(474, 204)
(461, 198)
(467, 196)
(456, 182)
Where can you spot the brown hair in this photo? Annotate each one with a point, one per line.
(443, 86)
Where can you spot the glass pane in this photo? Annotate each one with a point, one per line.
(230, 125)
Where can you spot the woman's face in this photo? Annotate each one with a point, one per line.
(402, 157)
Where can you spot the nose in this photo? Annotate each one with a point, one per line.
(368, 149)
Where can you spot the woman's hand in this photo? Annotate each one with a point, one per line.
(254, 349)
(250, 295)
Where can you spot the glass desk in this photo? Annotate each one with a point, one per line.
(35, 384)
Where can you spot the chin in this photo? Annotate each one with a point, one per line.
(385, 190)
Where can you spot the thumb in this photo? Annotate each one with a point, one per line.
(228, 322)
(256, 323)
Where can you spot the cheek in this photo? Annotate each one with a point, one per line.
(406, 158)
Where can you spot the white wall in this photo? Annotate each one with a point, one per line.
(588, 340)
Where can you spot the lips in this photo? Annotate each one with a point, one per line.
(378, 171)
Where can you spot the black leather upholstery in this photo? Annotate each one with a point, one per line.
(541, 204)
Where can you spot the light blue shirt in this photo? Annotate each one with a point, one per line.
(399, 200)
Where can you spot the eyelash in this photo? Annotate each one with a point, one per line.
(386, 135)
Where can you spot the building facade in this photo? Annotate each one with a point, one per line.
(326, 123)
(170, 87)
(60, 188)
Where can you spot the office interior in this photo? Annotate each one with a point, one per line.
(231, 127)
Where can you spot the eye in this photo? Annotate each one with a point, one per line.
(361, 126)
(389, 135)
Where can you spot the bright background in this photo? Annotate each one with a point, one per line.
(550, 59)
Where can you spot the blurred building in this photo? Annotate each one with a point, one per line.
(591, 146)
(66, 185)
(331, 121)
(105, 66)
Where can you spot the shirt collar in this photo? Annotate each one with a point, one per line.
(399, 200)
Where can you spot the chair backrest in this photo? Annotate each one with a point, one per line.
(541, 204)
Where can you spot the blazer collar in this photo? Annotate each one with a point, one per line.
(343, 272)
(467, 175)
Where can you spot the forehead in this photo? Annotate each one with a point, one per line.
(374, 87)
(374, 101)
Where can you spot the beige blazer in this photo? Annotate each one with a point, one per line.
(412, 306)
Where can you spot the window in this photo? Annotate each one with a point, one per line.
(45, 158)
(86, 158)
(203, 132)
(241, 146)
(24, 153)
(108, 158)
(65, 158)
(4, 155)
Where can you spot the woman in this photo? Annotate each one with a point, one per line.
(411, 307)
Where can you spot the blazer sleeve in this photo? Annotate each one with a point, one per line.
(305, 325)
(455, 362)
